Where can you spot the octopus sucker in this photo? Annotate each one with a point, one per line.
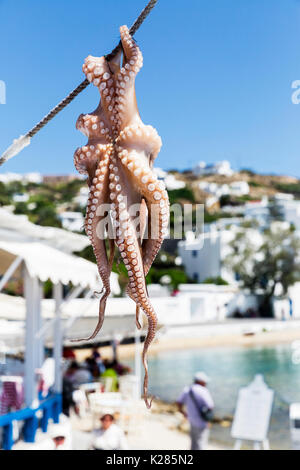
(118, 161)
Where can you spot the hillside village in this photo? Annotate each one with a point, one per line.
(236, 205)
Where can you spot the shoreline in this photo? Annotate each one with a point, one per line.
(175, 340)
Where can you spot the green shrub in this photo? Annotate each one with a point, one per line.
(219, 281)
(176, 195)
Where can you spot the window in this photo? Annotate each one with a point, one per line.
(196, 277)
(297, 423)
(194, 253)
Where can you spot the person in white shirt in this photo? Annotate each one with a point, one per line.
(110, 436)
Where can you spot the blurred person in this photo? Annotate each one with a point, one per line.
(68, 353)
(82, 376)
(110, 436)
(71, 370)
(59, 442)
(290, 308)
(92, 367)
(96, 360)
(199, 404)
(59, 437)
(111, 374)
(78, 374)
(120, 369)
(96, 354)
(67, 396)
(100, 364)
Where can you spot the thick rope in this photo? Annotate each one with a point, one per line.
(137, 24)
(58, 108)
(134, 28)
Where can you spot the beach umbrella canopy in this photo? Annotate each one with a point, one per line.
(18, 228)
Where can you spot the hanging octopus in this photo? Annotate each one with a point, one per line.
(118, 161)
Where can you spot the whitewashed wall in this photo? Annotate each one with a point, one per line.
(173, 310)
(202, 258)
(208, 301)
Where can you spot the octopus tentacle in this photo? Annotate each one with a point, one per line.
(132, 53)
(157, 202)
(140, 138)
(125, 79)
(131, 140)
(130, 252)
(128, 244)
(96, 70)
(98, 196)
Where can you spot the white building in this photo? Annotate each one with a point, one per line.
(160, 173)
(22, 178)
(172, 183)
(218, 168)
(279, 197)
(292, 213)
(202, 257)
(258, 210)
(82, 197)
(237, 188)
(10, 177)
(290, 209)
(20, 197)
(36, 178)
(227, 223)
(240, 209)
(217, 190)
(211, 201)
(169, 179)
(73, 221)
(208, 302)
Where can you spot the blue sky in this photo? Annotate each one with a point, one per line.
(216, 81)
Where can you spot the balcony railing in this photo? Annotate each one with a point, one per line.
(49, 409)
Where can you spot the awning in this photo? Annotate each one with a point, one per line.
(13, 308)
(119, 320)
(18, 228)
(45, 262)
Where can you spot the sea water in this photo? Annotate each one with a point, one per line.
(230, 369)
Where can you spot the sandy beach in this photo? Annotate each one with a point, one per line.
(161, 428)
(247, 334)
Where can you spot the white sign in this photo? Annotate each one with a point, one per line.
(253, 411)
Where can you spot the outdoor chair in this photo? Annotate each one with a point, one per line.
(129, 387)
(101, 403)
